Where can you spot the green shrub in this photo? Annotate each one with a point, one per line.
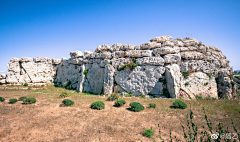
(29, 100)
(199, 97)
(25, 84)
(85, 72)
(113, 97)
(148, 132)
(42, 85)
(11, 101)
(179, 104)
(22, 98)
(98, 105)
(63, 95)
(67, 102)
(209, 61)
(185, 74)
(29, 89)
(143, 96)
(136, 107)
(129, 95)
(187, 83)
(152, 105)
(2, 99)
(120, 103)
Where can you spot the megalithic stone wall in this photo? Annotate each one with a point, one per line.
(152, 68)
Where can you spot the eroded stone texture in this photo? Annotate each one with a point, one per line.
(161, 39)
(199, 85)
(108, 79)
(141, 80)
(155, 61)
(166, 50)
(173, 78)
(172, 58)
(192, 55)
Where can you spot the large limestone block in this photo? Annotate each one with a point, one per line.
(146, 53)
(38, 72)
(192, 55)
(190, 48)
(168, 43)
(2, 76)
(56, 61)
(76, 61)
(24, 79)
(166, 50)
(117, 63)
(41, 60)
(161, 39)
(172, 58)
(76, 54)
(190, 41)
(119, 54)
(155, 61)
(199, 84)
(13, 59)
(173, 79)
(178, 43)
(133, 53)
(224, 63)
(140, 80)
(86, 52)
(150, 45)
(2, 81)
(12, 77)
(95, 79)
(70, 76)
(116, 46)
(108, 79)
(198, 65)
(104, 55)
(26, 59)
(224, 87)
(127, 47)
(104, 62)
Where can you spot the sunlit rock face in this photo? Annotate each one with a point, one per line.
(162, 67)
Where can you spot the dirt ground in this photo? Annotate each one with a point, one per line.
(46, 121)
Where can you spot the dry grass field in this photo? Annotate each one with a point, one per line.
(46, 121)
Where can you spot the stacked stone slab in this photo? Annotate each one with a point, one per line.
(158, 68)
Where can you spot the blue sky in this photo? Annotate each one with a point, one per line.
(53, 28)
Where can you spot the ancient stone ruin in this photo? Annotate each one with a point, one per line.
(161, 67)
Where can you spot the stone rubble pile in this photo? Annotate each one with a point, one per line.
(152, 68)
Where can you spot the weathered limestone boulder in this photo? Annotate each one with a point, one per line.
(13, 73)
(38, 72)
(104, 55)
(168, 43)
(127, 47)
(172, 58)
(116, 46)
(173, 79)
(135, 53)
(86, 52)
(25, 59)
(41, 60)
(199, 85)
(76, 61)
(192, 55)
(94, 82)
(76, 54)
(166, 50)
(161, 39)
(190, 41)
(150, 45)
(104, 62)
(198, 65)
(120, 54)
(224, 87)
(70, 76)
(146, 53)
(141, 80)
(2, 78)
(108, 79)
(137, 47)
(155, 61)
(117, 63)
(56, 61)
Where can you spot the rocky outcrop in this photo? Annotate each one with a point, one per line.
(174, 68)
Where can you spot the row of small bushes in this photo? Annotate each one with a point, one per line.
(26, 100)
